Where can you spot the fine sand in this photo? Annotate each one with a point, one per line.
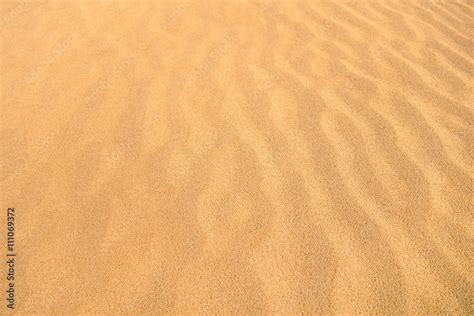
(238, 157)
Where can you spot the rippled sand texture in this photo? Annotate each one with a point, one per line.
(230, 157)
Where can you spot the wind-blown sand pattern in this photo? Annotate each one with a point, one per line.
(238, 157)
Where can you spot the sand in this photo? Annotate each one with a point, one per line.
(238, 157)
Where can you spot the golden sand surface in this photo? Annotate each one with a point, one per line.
(238, 157)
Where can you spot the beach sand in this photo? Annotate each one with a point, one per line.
(238, 157)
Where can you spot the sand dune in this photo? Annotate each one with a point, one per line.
(238, 157)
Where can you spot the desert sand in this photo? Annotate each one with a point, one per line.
(238, 157)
